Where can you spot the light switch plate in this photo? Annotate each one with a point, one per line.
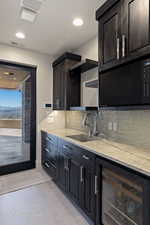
(46, 105)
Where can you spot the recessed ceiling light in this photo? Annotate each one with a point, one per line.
(78, 22)
(20, 35)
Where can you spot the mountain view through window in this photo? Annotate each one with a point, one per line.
(10, 104)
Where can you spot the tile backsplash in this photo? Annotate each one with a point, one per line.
(127, 127)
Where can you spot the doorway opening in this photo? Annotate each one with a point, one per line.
(17, 118)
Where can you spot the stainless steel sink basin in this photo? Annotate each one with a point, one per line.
(82, 137)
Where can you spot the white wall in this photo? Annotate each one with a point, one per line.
(44, 78)
(89, 49)
(89, 96)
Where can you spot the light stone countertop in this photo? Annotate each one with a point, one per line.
(127, 155)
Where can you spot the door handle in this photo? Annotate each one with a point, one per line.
(123, 45)
(96, 179)
(81, 174)
(118, 48)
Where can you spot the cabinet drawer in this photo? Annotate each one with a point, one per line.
(48, 139)
(87, 159)
(49, 167)
(50, 152)
(67, 148)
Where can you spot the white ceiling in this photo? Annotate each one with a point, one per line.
(52, 32)
(14, 80)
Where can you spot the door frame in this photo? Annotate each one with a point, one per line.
(30, 164)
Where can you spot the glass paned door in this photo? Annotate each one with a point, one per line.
(16, 117)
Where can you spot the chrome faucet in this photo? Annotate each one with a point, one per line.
(90, 121)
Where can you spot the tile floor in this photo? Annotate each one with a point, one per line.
(24, 179)
(42, 204)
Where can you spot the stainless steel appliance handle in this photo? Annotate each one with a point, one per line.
(81, 174)
(96, 179)
(85, 157)
(118, 48)
(123, 45)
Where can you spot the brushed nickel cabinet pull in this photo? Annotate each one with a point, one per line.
(96, 191)
(47, 165)
(123, 45)
(85, 157)
(118, 48)
(66, 164)
(47, 150)
(49, 139)
(81, 174)
(52, 164)
(66, 147)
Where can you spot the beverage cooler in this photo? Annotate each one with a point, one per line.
(123, 195)
(122, 202)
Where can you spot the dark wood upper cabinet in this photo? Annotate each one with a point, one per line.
(65, 84)
(58, 86)
(109, 36)
(136, 25)
(123, 31)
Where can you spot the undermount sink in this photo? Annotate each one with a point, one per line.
(82, 137)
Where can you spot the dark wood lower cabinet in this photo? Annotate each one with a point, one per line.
(74, 180)
(108, 193)
(87, 192)
(63, 171)
(50, 154)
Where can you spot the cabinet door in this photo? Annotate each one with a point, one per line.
(63, 177)
(135, 27)
(87, 191)
(109, 37)
(74, 180)
(58, 86)
(98, 192)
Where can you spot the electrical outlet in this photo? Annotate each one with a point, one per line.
(115, 126)
(110, 125)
